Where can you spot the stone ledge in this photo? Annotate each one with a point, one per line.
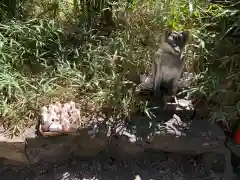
(12, 151)
(195, 137)
(234, 148)
(58, 148)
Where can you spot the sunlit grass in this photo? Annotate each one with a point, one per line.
(42, 62)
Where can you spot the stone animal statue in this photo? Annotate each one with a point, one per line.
(169, 62)
(167, 65)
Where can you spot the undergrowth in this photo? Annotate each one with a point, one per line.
(46, 58)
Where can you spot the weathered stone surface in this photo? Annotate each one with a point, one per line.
(86, 145)
(175, 135)
(186, 80)
(12, 150)
(58, 148)
(194, 137)
(214, 161)
(9, 162)
(48, 149)
(183, 113)
(164, 132)
(146, 82)
(121, 147)
(234, 148)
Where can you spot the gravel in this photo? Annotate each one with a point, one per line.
(154, 166)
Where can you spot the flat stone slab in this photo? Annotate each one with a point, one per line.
(13, 150)
(58, 148)
(234, 148)
(195, 137)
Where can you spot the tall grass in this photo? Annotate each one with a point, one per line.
(47, 56)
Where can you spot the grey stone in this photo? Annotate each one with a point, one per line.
(185, 113)
(186, 80)
(120, 148)
(214, 161)
(30, 133)
(12, 150)
(234, 148)
(164, 132)
(59, 148)
(87, 145)
(146, 82)
(196, 137)
(124, 142)
(48, 149)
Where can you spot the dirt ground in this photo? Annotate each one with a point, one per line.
(154, 166)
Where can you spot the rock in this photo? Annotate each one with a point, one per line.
(214, 161)
(48, 149)
(194, 137)
(234, 148)
(184, 103)
(12, 150)
(60, 148)
(137, 177)
(146, 82)
(191, 136)
(186, 80)
(163, 133)
(9, 162)
(87, 145)
(124, 143)
(185, 113)
(30, 133)
(121, 147)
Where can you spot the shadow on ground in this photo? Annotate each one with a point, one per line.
(162, 166)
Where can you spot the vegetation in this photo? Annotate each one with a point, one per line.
(53, 50)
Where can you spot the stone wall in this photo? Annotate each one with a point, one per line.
(179, 133)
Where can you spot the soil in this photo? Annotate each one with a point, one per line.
(157, 166)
